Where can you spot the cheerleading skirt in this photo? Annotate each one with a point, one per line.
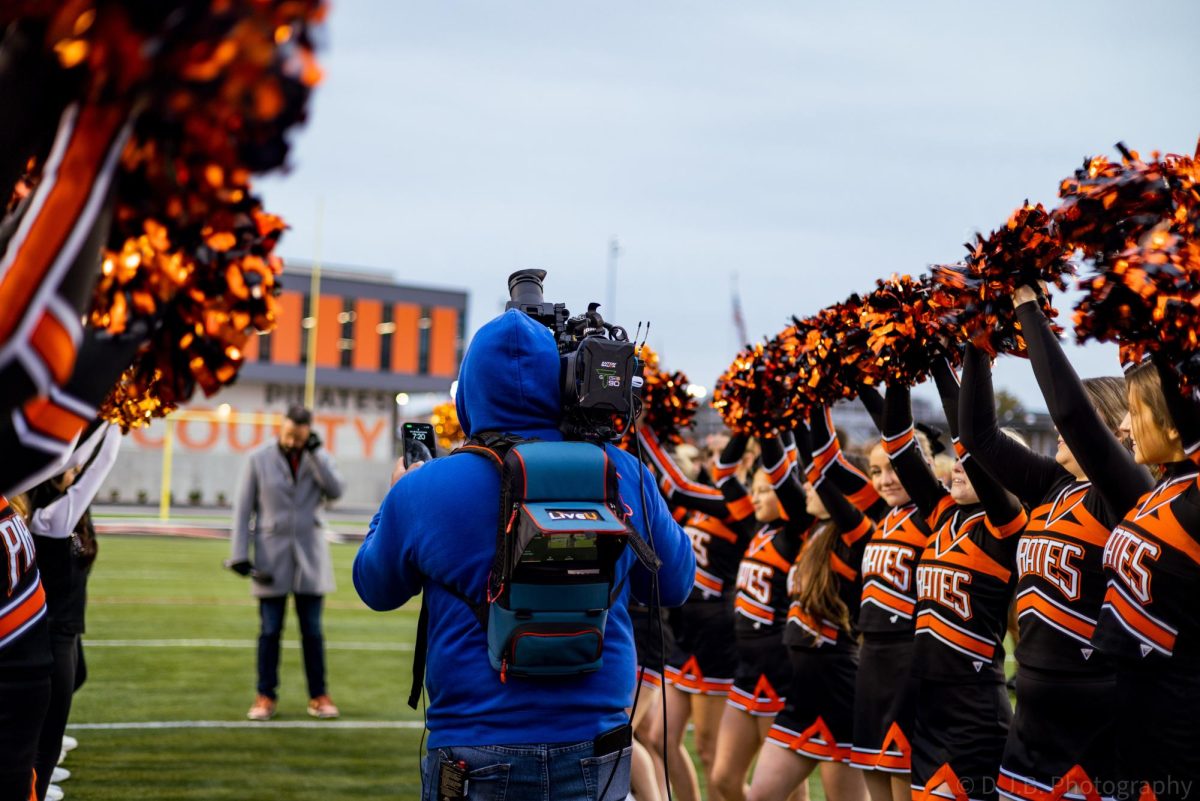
(1061, 743)
(705, 656)
(958, 738)
(762, 673)
(1157, 711)
(649, 645)
(818, 719)
(884, 695)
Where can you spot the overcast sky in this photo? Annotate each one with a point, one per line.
(808, 147)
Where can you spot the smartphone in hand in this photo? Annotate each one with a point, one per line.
(419, 441)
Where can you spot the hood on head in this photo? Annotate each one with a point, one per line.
(509, 379)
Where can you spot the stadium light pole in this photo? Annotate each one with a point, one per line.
(610, 305)
(314, 298)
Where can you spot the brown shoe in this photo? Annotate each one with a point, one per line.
(322, 707)
(263, 708)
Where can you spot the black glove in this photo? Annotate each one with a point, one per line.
(242, 567)
(314, 442)
(261, 577)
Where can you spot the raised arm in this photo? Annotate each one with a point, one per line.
(783, 478)
(829, 459)
(1105, 461)
(678, 489)
(1003, 509)
(59, 518)
(1027, 474)
(900, 443)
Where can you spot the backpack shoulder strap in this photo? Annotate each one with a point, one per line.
(494, 447)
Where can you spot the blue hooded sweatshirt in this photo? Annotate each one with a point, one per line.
(437, 528)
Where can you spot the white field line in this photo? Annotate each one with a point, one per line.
(249, 724)
(194, 643)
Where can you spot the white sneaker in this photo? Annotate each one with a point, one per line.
(61, 756)
(69, 743)
(54, 793)
(60, 775)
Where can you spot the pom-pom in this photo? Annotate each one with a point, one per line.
(1137, 221)
(667, 406)
(979, 291)
(759, 393)
(906, 330)
(1108, 208)
(832, 353)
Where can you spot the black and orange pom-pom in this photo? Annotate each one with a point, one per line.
(978, 291)
(667, 406)
(906, 330)
(1138, 223)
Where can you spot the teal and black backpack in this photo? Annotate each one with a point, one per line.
(562, 531)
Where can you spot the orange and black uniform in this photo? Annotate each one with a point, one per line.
(1149, 624)
(1062, 731)
(719, 523)
(965, 584)
(24, 656)
(884, 693)
(763, 674)
(818, 719)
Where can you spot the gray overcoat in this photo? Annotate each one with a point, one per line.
(286, 533)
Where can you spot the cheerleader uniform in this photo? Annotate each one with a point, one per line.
(1060, 743)
(24, 656)
(760, 607)
(1149, 624)
(720, 523)
(818, 719)
(964, 587)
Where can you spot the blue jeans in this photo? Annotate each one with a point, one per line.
(270, 613)
(533, 773)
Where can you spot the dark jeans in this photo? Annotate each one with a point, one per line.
(22, 707)
(65, 649)
(271, 612)
(534, 772)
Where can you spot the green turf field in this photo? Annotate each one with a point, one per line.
(171, 645)
(171, 639)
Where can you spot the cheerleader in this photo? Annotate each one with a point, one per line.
(964, 587)
(884, 694)
(1061, 737)
(25, 660)
(763, 673)
(1149, 622)
(816, 723)
(700, 668)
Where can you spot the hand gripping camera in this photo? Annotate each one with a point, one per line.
(600, 374)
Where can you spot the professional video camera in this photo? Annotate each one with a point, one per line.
(601, 375)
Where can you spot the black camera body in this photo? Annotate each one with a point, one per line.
(600, 373)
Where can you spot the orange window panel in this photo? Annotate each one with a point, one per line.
(443, 341)
(329, 331)
(405, 341)
(285, 347)
(368, 314)
(250, 351)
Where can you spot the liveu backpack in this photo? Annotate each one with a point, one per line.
(562, 530)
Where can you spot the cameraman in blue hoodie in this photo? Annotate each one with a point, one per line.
(525, 738)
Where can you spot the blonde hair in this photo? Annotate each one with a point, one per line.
(816, 588)
(1143, 379)
(20, 503)
(1110, 399)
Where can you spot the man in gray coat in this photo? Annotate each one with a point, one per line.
(281, 489)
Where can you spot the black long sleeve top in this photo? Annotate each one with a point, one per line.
(1059, 560)
(1150, 617)
(964, 576)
